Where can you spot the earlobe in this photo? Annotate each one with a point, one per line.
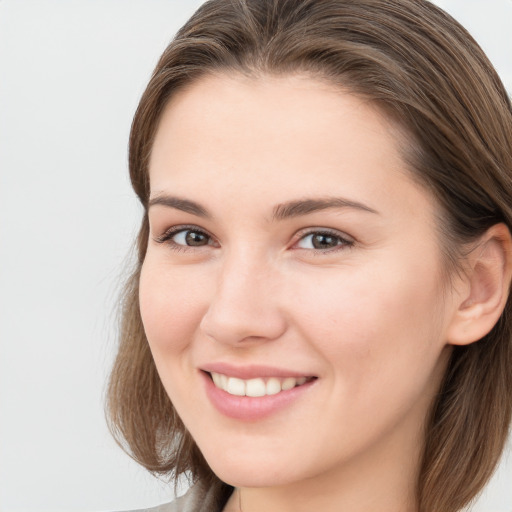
(487, 279)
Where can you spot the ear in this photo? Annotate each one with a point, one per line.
(486, 287)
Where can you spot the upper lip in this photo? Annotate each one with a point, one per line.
(252, 371)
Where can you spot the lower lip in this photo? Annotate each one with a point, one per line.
(248, 408)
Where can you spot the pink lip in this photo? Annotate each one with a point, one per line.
(247, 408)
(251, 371)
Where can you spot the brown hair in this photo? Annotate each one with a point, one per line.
(422, 68)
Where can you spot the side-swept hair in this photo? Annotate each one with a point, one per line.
(424, 70)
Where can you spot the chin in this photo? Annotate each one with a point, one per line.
(248, 475)
(247, 468)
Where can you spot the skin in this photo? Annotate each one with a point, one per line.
(369, 317)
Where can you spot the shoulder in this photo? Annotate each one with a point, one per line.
(197, 499)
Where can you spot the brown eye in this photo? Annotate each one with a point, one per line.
(196, 238)
(323, 241)
(191, 238)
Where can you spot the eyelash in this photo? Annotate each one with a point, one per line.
(170, 233)
(344, 242)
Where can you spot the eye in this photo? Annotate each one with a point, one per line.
(183, 237)
(323, 240)
(190, 237)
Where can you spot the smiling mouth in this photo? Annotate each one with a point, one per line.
(256, 387)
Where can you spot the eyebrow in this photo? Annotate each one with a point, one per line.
(305, 206)
(179, 203)
(281, 211)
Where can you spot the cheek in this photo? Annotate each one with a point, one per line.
(170, 304)
(373, 325)
(383, 352)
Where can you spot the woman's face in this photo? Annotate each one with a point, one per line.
(291, 256)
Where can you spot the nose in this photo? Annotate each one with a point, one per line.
(245, 305)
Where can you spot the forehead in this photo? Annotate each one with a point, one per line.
(275, 137)
(277, 110)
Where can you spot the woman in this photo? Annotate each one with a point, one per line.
(319, 316)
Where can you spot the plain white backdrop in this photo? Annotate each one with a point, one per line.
(71, 74)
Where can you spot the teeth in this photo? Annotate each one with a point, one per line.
(273, 386)
(288, 383)
(216, 379)
(236, 387)
(255, 387)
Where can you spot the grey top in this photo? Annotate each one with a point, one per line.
(197, 499)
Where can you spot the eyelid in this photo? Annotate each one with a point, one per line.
(347, 240)
(167, 235)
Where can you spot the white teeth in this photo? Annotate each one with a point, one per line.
(255, 387)
(288, 383)
(236, 386)
(273, 386)
(216, 379)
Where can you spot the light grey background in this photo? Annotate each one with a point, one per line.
(71, 73)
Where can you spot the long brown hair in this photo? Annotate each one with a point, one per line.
(425, 71)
